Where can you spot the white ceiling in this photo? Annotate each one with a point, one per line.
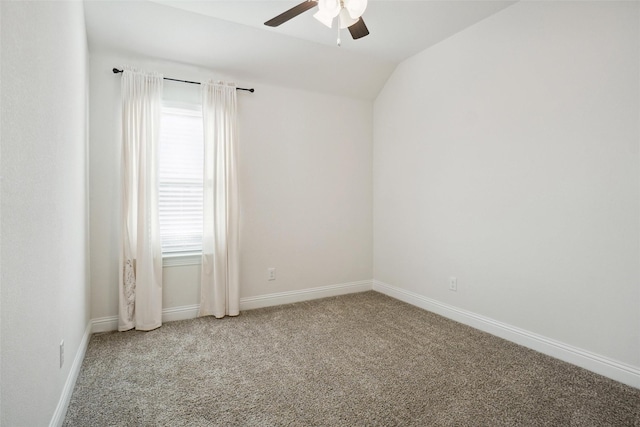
(230, 37)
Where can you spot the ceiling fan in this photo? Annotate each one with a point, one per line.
(348, 12)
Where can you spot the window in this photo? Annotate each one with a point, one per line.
(180, 179)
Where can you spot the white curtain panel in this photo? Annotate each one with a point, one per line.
(141, 256)
(220, 293)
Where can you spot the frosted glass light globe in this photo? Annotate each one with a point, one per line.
(355, 7)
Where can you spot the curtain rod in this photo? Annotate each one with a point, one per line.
(116, 71)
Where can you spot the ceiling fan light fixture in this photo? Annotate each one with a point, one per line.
(355, 7)
(329, 7)
(348, 12)
(324, 18)
(346, 20)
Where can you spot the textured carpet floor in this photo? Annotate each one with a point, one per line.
(360, 359)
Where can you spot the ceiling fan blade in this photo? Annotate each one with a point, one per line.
(359, 29)
(291, 13)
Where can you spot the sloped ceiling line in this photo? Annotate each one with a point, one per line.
(229, 36)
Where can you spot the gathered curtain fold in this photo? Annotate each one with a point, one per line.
(220, 293)
(140, 278)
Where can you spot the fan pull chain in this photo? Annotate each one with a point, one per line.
(339, 42)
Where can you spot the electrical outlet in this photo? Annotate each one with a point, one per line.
(271, 273)
(61, 353)
(453, 284)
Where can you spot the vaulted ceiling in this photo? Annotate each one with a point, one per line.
(229, 37)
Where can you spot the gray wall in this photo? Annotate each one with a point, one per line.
(507, 156)
(44, 214)
(305, 185)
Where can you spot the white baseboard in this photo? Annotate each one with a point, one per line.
(104, 324)
(65, 398)
(610, 368)
(110, 323)
(289, 297)
(180, 313)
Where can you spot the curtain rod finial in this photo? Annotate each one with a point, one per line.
(116, 71)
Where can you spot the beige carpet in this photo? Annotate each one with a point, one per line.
(354, 360)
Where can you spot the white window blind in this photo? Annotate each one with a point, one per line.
(180, 179)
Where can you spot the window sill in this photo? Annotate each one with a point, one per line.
(173, 260)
